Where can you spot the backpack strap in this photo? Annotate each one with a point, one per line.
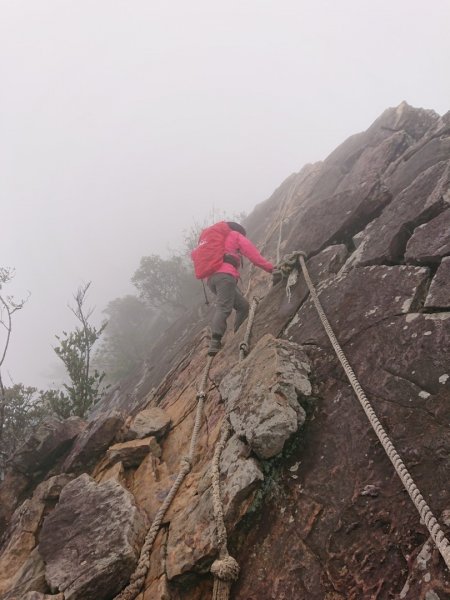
(232, 260)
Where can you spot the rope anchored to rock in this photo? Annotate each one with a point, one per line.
(226, 569)
(138, 578)
(436, 532)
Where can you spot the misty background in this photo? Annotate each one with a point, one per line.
(122, 122)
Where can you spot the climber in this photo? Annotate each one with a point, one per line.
(218, 258)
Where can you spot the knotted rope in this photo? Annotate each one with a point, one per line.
(438, 536)
(244, 345)
(138, 577)
(226, 569)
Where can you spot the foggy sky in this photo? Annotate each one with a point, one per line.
(122, 121)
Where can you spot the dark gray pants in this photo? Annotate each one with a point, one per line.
(228, 296)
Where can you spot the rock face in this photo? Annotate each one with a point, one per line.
(42, 451)
(132, 453)
(39, 596)
(21, 565)
(313, 508)
(152, 421)
(90, 543)
(386, 237)
(94, 440)
(49, 441)
(240, 475)
(431, 241)
(439, 293)
(11, 490)
(262, 393)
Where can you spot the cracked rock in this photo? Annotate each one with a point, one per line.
(94, 440)
(439, 292)
(39, 596)
(152, 421)
(357, 301)
(90, 543)
(46, 443)
(240, 475)
(21, 567)
(132, 453)
(261, 395)
(431, 241)
(384, 240)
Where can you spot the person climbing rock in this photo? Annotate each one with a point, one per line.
(217, 258)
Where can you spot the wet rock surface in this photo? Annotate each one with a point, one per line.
(90, 542)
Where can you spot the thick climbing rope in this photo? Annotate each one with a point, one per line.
(244, 345)
(438, 536)
(226, 569)
(138, 577)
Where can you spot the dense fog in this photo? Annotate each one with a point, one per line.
(122, 123)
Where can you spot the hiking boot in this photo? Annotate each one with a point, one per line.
(214, 346)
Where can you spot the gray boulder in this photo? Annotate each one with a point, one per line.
(439, 292)
(94, 440)
(90, 543)
(152, 421)
(47, 442)
(431, 241)
(261, 395)
(132, 453)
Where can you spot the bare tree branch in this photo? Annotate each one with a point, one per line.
(8, 306)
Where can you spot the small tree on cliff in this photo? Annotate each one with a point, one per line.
(75, 351)
(164, 283)
(8, 306)
(24, 408)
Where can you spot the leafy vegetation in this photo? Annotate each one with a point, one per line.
(8, 307)
(75, 351)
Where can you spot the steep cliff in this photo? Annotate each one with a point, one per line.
(313, 507)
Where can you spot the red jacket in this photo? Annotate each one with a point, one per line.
(235, 243)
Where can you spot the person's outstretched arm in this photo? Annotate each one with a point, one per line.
(248, 250)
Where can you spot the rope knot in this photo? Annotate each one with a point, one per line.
(200, 395)
(226, 568)
(186, 462)
(244, 347)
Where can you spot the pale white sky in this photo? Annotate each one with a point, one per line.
(122, 121)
